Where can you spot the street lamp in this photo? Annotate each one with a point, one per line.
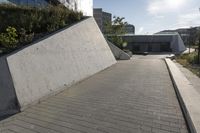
(199, 47)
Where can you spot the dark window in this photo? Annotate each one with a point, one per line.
(165, 47)
(136, 48)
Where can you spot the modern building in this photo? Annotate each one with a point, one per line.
(185, 33)
(102, 18)
(130, 29)
(27, 2)
(155, 43)
(85, 6)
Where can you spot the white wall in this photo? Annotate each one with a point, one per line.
(60, 60)
(4, 1)
(85, 6)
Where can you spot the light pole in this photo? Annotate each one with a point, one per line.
(199, 47)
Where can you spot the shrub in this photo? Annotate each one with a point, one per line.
(196, 59)
(74, 16)
(37, 20)
(25, 37)
(23, 24)
(191, 58)
(9, 39)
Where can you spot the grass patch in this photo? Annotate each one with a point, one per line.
(189, 61)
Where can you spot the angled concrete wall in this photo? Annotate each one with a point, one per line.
(118, 53)
(8, 99)
(58, 61)
(177, 44)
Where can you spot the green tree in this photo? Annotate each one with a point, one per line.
(113, 31)
(193, 36)
(194, 40)
(198, 56)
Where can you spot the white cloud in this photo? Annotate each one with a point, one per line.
(188, 19)
(141, 29)
(159, 16)
(164, 6)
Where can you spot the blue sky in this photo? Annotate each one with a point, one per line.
(150, 16)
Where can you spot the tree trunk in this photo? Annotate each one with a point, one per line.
(189, 47)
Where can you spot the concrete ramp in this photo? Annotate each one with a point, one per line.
(56, 62)
(118, 53)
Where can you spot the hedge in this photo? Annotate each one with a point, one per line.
(32, 22)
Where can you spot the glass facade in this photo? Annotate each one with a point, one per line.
(85, 6)
(30, 2)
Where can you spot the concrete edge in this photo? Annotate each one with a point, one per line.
(9, 104)
(185, 91)
(117, 52)
(46, 36)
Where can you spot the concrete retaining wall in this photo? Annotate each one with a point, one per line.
(8, 99)
(118, 53)
(59, 61)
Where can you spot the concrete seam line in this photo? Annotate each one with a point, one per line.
(184, 109)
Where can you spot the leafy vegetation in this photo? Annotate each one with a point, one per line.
(9, 39)
(190, 61)
(194, 41)
(114, 29)
(21, 25)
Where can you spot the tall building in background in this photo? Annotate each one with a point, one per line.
(102, 18)
(85, 6)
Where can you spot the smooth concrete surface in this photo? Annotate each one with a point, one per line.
(194, 79)
(8, 100)
(189, 97)
(118, 53)
(129, 97)
(58, 61)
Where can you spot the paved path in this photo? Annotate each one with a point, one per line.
(134, 96)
